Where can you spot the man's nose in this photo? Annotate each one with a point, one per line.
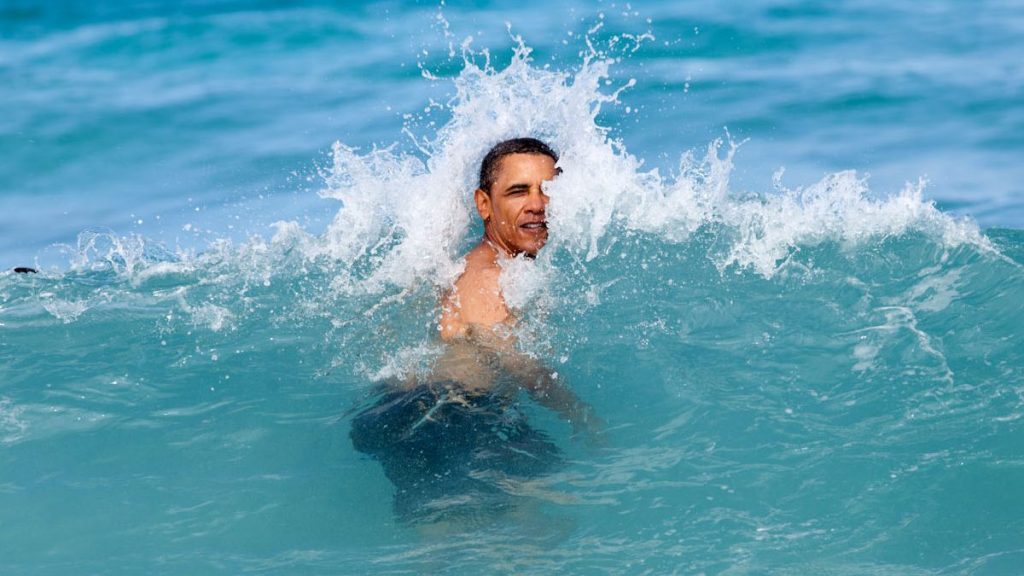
(537, 201)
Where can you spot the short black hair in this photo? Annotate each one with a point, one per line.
(489, 165)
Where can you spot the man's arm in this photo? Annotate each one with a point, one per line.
(544, 387)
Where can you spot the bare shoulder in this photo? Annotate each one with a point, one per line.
(476, 297)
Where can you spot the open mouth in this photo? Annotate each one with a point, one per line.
(535, 226)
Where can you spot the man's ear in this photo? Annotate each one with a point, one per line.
(483, 203)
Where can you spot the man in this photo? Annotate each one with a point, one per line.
(512, 203)
(462, 432)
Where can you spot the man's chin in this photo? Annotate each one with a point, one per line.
(531, 250)
(528, 246)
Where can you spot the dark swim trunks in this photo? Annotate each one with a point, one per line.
(448, 451)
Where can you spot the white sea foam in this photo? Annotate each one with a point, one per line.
(25, 422)
(413, 359)
(64, 310)
(405, 217)
(12, 426)
(410, 216)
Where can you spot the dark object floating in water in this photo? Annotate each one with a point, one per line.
(25, 270)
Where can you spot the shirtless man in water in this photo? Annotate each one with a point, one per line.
(474, 318)
(447, 441)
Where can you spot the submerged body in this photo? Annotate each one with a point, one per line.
(450, 453)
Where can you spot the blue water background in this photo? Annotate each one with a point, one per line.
(216, 113)
(855, 408)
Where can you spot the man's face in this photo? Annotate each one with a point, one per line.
(514, 210)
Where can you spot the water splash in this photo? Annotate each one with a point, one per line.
(406, 218)
(411, 216)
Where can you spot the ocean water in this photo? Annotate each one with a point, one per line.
(785, 269)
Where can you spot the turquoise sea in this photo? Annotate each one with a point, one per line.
(786, 268)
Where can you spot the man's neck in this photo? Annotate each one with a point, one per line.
(499, 250)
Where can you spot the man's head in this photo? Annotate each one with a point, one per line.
(510, 199)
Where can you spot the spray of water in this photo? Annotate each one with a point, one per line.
(405, 218)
